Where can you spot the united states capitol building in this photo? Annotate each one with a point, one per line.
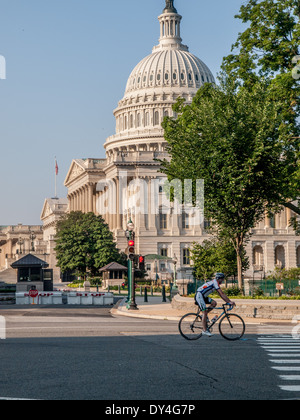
(128, 183)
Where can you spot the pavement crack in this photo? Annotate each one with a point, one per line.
(197, 371)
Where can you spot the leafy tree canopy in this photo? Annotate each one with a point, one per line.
(216, 256)
(270, 48)
(85, 244)
(238, 141)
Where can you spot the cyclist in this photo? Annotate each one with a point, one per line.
(202, 298)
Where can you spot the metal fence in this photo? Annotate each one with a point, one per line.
(273, 287)
(266, 287)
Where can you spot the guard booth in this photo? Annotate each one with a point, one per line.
(113, 274)
(33, 271)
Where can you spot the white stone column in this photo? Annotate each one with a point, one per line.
(90, 191)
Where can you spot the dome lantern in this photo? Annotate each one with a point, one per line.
(170, 27)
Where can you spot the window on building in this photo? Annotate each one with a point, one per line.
(163, 221)
(162, 267)
(185, 221)
(280, 256)
(258, 256)
(272, 222)
(164, 252)
(207, 224)
(156, 118)
(147, 119)
(186, 256)
(298, 256)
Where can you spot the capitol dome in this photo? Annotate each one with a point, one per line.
(169, 68)
(153, 87)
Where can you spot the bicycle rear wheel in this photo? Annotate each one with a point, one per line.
(190, 326)
(232, 327)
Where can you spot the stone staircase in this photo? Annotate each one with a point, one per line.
(8, 276)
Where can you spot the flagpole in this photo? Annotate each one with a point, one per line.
(56, 167)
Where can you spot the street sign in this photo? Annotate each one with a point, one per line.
(279, 286)
(33, 293)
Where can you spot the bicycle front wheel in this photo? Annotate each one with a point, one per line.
(190, 326)
(232, 327)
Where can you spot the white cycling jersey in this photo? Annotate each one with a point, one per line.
(208, 288)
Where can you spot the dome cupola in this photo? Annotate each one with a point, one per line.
(155, 84)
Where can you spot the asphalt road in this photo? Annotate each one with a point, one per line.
(87, 354)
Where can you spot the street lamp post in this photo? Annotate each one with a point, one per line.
(131, 286)
(20, 243)
(32, 238)
(174, 287)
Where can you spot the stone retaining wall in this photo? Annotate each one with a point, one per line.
(250, 308)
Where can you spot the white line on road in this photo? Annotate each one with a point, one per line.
(293, 368)
(280, 347)
(290, 377)
(285, 350)
(285, 361)
(290, 388)
(283, 355)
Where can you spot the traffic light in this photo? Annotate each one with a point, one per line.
(131, 249)
(141, 263)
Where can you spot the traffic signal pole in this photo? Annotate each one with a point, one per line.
(131, 255)
(132, 303)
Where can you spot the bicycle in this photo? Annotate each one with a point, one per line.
(231, 326)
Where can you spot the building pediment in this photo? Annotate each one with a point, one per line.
(75, 171)
(54, 206)
(46, 210)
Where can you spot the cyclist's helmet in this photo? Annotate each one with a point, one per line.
(220, 276)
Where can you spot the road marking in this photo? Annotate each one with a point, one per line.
(281, 347)
(15, 399)
(283, 355)
(290, 377)
(283, 350)
(290, 388)
(286, 351)
(285, 361)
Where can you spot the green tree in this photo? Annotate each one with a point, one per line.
(237, 140)
(270, 48)
(216, 255)
(84, 244)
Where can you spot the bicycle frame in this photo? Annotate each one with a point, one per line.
(225, 310)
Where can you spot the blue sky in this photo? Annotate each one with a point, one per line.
(67, 64)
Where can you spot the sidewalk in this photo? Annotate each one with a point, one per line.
(156, 309)
(153, 309)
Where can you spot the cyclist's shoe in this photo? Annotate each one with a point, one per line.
(207, 333)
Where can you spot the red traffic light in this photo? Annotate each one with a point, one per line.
(130, 243)
(141, 259)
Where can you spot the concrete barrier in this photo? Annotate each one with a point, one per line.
(44, 298)
(249, 308)
(73, 298)
(90, 298)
